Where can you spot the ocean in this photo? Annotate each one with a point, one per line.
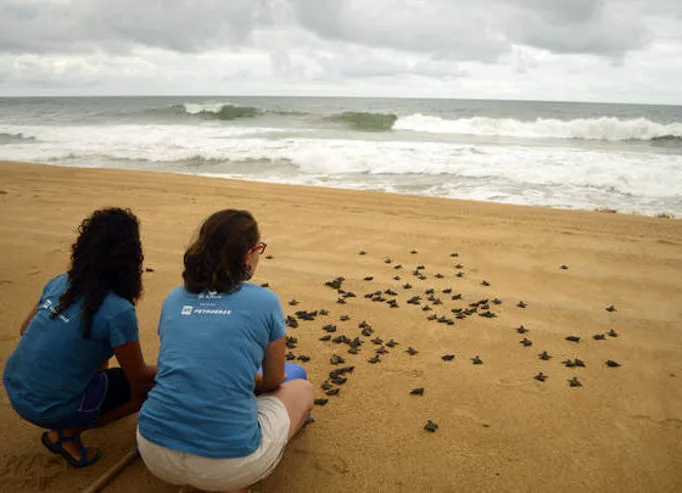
(564, 155)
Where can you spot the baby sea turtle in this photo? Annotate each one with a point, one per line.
(447, 357)
(367, 331)
(574, 382)
(391, 343)
(612, 364)
(333, 391)
(293, 302)
(426, 308)
(269, 257)
(460, 274)
(421, 277)
(411, 351)
(420, 267)
(526, 342)
(381, 350)
(374, 359)
(387, 260)
(320, 401)
(303, 358)
(568, 363)
(265, 285)
(291, 342)
(396, 278)
(390, 292)
(364, 325)
(439, 276)
(521, 329)
(417, 391)
(342, 339)
(329, 328)
(563, 267)
(497, 301)
(344, 318)
(377, 340)
(341, 301)
(414, 252)
(324, 312)
(354, 350)
(447, 291)
(431, 426)
(540, 377)
(291, 322)
(415, 300)
(612, 333)
(325, 338)
(356, 342)
(338, 380)
(432, 317)
(454, 254)
(579, 362)
(459, 266)
(290, 356)
(335, 283)
(398, 266)
(476, 360)
(573, 338)
(429, 291)
(326, 385)
(522, 304)
(485, 283)
(544, 356)
(599, 337)
(407, 285)
(362, 252)
(611, 308)
(367, 278)
(487, 314)
(336, 360)
(457, 296)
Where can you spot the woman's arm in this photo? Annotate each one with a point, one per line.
(139, 374)
(24, 326)
(273, 367)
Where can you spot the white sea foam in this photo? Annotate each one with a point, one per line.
(604, 128)
(538, 175)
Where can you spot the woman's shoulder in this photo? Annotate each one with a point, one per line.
(260, 293)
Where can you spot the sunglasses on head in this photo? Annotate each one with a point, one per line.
(259, 247)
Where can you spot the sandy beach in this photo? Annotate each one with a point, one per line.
(499, 429)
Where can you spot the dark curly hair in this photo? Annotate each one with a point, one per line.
(215, 259)
(107, 256)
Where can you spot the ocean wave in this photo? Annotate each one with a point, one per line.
(374, 122)
(8, 138)
(604, 128)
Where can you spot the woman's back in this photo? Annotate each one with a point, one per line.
(211, 347)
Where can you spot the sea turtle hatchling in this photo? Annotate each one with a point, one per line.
(381, 350)
(573, 338)
(417, 391)
(431, 426)
(540, 377)
(320, 401)
(411, 351)
(522, 304)
(611, 308)
(485, 283)
(574, 382)
(476, 360)
(303, 358)
(526, 342)
(544, 356)
(333, 391)
(344, 318)
(336, 360)
(391, 343)
(325, 338)
(521, 329)
(374, 359)
(599, 337)
(612, 364)
(447, 357)
(612, 333)
(368, 278)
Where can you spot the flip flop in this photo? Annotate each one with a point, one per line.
(57, 448)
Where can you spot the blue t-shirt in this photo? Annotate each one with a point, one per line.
(47, 373)
(211, 347)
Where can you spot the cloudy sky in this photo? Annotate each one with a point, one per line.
(586, 50)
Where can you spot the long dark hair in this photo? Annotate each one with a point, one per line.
(215, 259)
(107, 256)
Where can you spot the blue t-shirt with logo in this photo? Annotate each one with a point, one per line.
(47, 373)
(211, 347)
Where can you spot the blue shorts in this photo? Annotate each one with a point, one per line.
(108, 390)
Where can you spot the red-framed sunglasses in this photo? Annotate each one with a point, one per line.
(259, 247)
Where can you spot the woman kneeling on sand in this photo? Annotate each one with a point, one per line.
(203, 426)
(57, 377)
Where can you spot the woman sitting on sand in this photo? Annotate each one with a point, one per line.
(57, 377)
(203, 426)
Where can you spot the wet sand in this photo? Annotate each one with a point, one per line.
(499, 429)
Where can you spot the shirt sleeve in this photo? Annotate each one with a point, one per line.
(123, 328)
(277, 326)
(51, 287)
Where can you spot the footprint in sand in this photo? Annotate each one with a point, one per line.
(34, 470)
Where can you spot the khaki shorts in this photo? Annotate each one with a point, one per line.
(205, 473)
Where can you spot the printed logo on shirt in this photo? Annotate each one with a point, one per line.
(48, 306)
(186, 310)
(210, 295)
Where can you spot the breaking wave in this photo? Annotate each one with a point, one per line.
(7, 138)
(604, 128)
(365, 121)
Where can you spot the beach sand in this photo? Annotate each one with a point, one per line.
(499, 429)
